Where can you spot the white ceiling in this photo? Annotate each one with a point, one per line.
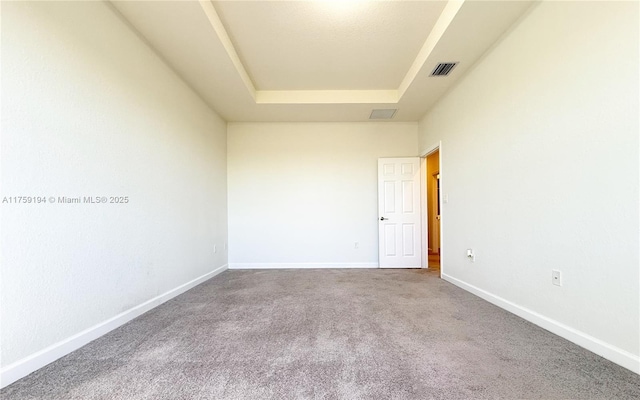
(328, 45)
(319, 60)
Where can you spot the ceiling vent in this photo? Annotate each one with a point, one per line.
(383, 113)
(443, 69)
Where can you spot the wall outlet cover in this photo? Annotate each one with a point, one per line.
(556, 277)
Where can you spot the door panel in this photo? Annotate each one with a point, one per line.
(408, 238)
(407, 196)
(389, 197)
(399, 212)
(390, 240)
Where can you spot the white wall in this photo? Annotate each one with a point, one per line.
(89, 110)
(540, 163)
(301, 194)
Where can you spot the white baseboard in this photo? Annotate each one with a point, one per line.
(300, 265)
(603, 349)
(27, 365)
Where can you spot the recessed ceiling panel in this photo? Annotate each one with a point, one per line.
(312, 78)
(328, 45)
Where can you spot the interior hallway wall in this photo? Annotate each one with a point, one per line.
(540, 164)
(433, 167)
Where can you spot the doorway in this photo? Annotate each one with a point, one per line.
(433, 211)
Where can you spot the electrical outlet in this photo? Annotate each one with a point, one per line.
(471, 256)
(215, 248)
(556, 277)
(356, 245)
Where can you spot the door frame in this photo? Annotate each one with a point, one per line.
(423, 207)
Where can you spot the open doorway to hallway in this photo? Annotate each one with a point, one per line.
(433, 210)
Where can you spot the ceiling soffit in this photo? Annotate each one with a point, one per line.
(192, 39)
(437, 25)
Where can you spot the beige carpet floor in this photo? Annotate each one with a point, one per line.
(328, 334)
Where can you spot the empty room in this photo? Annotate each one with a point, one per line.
(320, 199)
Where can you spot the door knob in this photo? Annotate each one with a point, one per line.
(383, 219)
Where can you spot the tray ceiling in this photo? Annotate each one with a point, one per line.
(319, 60)
(327, 45)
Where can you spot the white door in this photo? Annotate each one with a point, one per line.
(399, 212)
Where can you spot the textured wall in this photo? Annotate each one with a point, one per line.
(303, 193)
(540, 164)
(89, 110)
